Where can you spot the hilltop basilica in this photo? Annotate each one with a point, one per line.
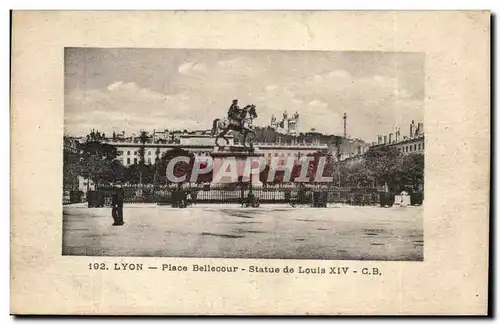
(287, 125)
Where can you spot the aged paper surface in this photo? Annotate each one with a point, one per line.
(54, 273)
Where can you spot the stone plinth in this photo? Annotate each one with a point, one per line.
(235, 161)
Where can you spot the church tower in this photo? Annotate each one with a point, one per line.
(293, 124)
(273, 122)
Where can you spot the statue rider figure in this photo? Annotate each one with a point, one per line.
(234, 111)
(235, 114)
(242, 116)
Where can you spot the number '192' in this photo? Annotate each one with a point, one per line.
(97, 266)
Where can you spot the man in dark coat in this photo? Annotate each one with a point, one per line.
(117, 203)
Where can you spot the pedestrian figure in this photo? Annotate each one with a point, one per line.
(117, 209)
(194, 195)
(189, 197)
(404, 199)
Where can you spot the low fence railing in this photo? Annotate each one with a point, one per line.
(231, 194)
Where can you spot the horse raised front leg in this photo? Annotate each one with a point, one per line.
(245, 140)
(217, 143)
(222, 135)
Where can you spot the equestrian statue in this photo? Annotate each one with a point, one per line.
(238, 120)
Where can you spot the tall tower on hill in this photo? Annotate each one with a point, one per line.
(345, 125)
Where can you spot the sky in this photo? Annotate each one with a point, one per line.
(119, 89)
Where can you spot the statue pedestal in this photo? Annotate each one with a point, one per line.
(232, 164)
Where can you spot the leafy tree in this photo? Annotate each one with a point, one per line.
(357, 175)
(132, 174)
(97, 159)
(181, 168)
(383, 163)
(95, 135)
(410, 172)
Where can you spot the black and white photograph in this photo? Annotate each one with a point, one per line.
(157, 141)
(250, 163)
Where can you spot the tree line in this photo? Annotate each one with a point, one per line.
(379, 166)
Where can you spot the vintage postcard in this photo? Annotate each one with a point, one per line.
(250, 163)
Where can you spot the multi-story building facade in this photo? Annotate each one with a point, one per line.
(129, 152)
(284, 151)
(414, 143)
(203, 145)
(70, 156)
(72, 181)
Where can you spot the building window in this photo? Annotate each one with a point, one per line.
(135, 160)
(423, 143)
(415, 147)
(135, 153)
(149, 160)
(128, 153)
(149, 153)
(128, 161)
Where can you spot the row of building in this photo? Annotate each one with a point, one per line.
(157, 136)
(201, 144)
(413, 143)
(288, 125)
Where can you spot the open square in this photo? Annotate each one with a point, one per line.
(228, 231)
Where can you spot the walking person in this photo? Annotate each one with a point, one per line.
(189, 198)
(194, 195)
(117, 210)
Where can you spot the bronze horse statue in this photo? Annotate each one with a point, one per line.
(221, 127)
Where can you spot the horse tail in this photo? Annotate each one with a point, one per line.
(214, 126)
